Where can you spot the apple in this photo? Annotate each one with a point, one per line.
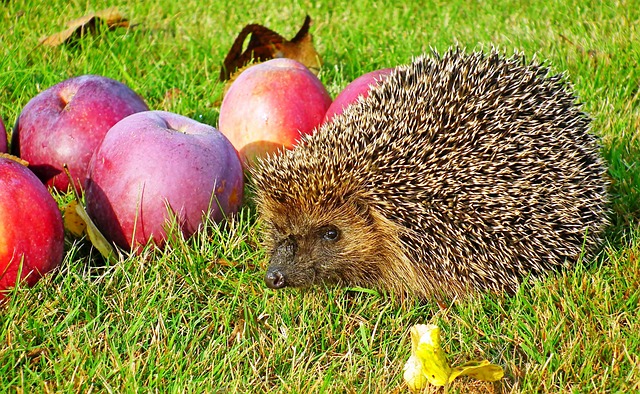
(3, 137)
(31, 229)
(359, 87)
(152, 165)
(66, 122)
(270, 105)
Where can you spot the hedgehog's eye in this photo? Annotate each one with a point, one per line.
(330, 233)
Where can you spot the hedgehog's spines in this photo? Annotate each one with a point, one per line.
(478, 170)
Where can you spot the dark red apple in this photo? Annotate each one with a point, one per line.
(31, 229)
(358, 87)
(3, 137)
(152, 162)
(270, 105)
(66, 123)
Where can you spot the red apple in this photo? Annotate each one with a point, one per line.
(65, 124)
(3, 137)
(270, 105)
(358, 87)
(31, 230)
(152, 162)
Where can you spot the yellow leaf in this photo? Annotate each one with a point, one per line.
(428, 362)
(77, 221)
(425, 339)
(481, 370)
(95, 236)
(413, 375)
(72, 221)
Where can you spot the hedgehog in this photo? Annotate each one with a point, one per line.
(460, 173)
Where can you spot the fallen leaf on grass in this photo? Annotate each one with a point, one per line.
(72, 221)
(78, 222)
(481, 370)
(266, 44)
(95, 236)
(428, 362)
(77, 28)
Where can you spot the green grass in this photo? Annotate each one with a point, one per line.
(197, 317)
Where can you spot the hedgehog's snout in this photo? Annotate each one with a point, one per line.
(274, 279)
(283, 255)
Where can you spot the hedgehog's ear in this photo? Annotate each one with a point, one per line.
(362, 207)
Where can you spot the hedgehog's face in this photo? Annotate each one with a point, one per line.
(340, 245)
(304, 258)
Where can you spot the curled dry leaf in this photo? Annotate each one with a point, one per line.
(266, 44)
(89, 23)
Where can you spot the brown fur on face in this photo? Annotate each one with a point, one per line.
(364, 252)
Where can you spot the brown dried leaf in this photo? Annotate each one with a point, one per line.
(89, 23)
(266, 44)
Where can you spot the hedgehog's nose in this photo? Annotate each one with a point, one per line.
(274, 279)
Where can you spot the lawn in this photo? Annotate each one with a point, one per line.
(197, 317)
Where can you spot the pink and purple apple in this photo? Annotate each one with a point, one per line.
(270, 105)
(31, 229)
(359, 87)
(152, 165)
(65, 123)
